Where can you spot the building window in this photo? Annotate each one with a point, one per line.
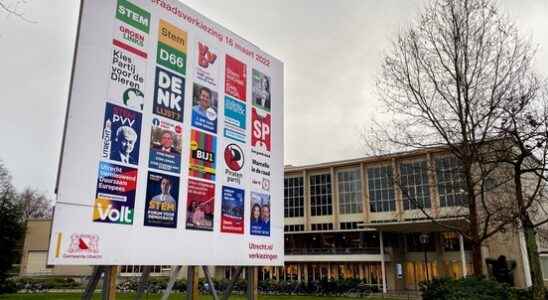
(450, 181)
(544, 261)
(322, 226)
(293, 197)
(414, 185)
(350, 191)
(320, 195)
(381, 189)
(294, 228)
(349, 225)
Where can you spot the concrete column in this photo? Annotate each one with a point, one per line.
(305, 273)
(365, 192)
(434, 197)
(306, 188)
(335, 198)
(462, 256)
(383, 268)
(525, 259)
(397, 190)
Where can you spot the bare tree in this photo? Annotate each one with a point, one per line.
(523, 147)
(35, 204)
(446, 81)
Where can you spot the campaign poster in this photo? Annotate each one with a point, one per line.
(172, 47)
(232, 210)
(260, 172)
(235, 78)
(161, 200)
(204, 108)
(234, 158)
(169, 95)
(121, 134)
(200, 205)
(115, 194)
(260, 214)
(128, 37)
(207, 69)
(235, 120)
(129, 55)
(127, 77)
(203, 149)
(133, 15)
(260, 90)
(165, 145)
(260, 130)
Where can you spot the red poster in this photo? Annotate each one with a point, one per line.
(235, 78)
(200, 205)
(260, 126)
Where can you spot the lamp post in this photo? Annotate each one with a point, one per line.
(424, 238)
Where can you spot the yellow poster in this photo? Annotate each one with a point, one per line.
(172, 36)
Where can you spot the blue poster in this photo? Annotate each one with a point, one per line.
(232, 210)
(121, 134)
(161, 200)
(165, 145)
(235, 112)
(204, 108)
(260, 214)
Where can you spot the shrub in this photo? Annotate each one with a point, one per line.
(471, 288)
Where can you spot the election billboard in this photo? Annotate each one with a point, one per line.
(173, 144)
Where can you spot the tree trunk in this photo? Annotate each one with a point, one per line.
(534, 259)
(474, 227)
(530, 239)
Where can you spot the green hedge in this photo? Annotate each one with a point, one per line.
(46, 283)
(471, 288)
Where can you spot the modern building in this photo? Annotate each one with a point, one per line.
(351, 219)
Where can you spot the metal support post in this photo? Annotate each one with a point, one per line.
(252, 283)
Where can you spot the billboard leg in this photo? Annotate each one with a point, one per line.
(230, 286)
(192, 292)
(92, 283)
(142, 283)
(210, 282)
(109, 283)
(172, 278)
(252, 277)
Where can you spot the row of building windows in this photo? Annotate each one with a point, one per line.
(322, 226)
(294, 228)
(139, 269)
(413, 182)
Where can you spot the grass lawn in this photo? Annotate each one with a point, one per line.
(55, 296)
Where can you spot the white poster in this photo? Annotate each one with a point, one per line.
(173, 148)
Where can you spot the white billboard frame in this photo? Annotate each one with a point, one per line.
(125, 193)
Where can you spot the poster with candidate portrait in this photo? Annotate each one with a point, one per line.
(203, 158)
(200, 205)
(121, 134)
(204, 108)
(165, 145)
(260, 90)
(115, 194)
(260, 214)
(161, 200)
(232, 210)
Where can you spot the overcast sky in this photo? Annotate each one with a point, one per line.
(331, 51)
